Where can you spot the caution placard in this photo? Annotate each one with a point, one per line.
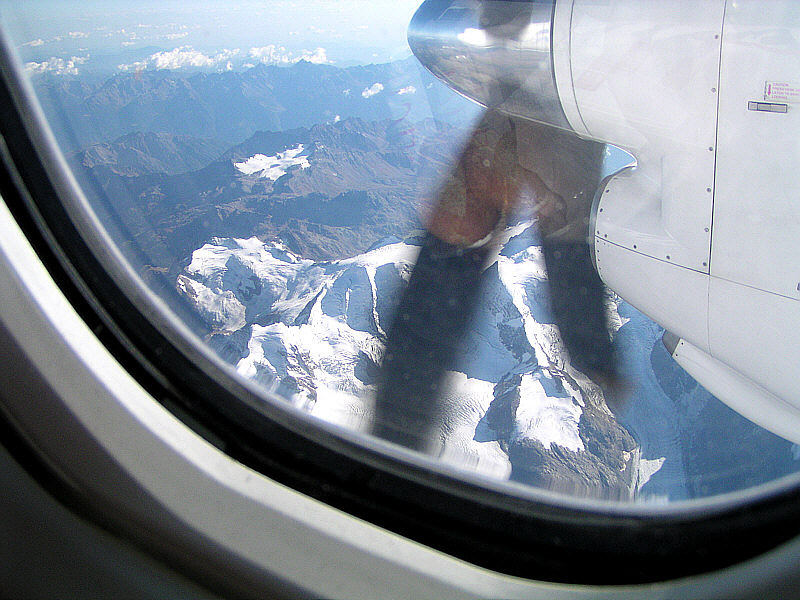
(781, 91)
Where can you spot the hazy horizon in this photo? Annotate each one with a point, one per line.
(102, 37)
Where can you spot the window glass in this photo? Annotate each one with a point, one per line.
(289, 167)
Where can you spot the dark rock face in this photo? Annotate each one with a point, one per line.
(604, 469)
(502, 412)
(142, 153)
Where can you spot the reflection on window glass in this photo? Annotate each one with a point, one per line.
(290, 167)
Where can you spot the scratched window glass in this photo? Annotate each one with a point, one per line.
(402, 220)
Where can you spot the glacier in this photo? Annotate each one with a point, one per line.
(274, 167)
(313, 333)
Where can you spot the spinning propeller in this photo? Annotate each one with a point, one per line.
(518, 155)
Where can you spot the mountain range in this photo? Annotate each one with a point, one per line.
(364, 181)
(231, 106)
(142, 153)
(314, 332)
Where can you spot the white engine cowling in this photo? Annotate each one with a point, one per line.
(704, 235)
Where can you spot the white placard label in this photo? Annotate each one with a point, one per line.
(781, 91)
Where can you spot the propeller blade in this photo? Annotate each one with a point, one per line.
(569, 170)
(439, 304)
(577, 297)
(428, 329)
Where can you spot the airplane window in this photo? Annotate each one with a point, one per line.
(394, 222)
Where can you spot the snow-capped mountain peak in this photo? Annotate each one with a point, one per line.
(314, 333)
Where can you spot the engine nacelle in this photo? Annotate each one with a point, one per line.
(703, 234)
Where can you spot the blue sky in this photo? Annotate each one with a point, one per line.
(70, 37)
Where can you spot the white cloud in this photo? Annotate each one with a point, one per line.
(78, 34)
(474, 37)
(346, 92)
(134, 66)
(278, 55)
(318, 56)
(375, 88)
(178, 58)
(409, 89)
(176, 36)
(270, 55)
(128, 43)
(36, 42)
(337, 118)
(59, 66)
